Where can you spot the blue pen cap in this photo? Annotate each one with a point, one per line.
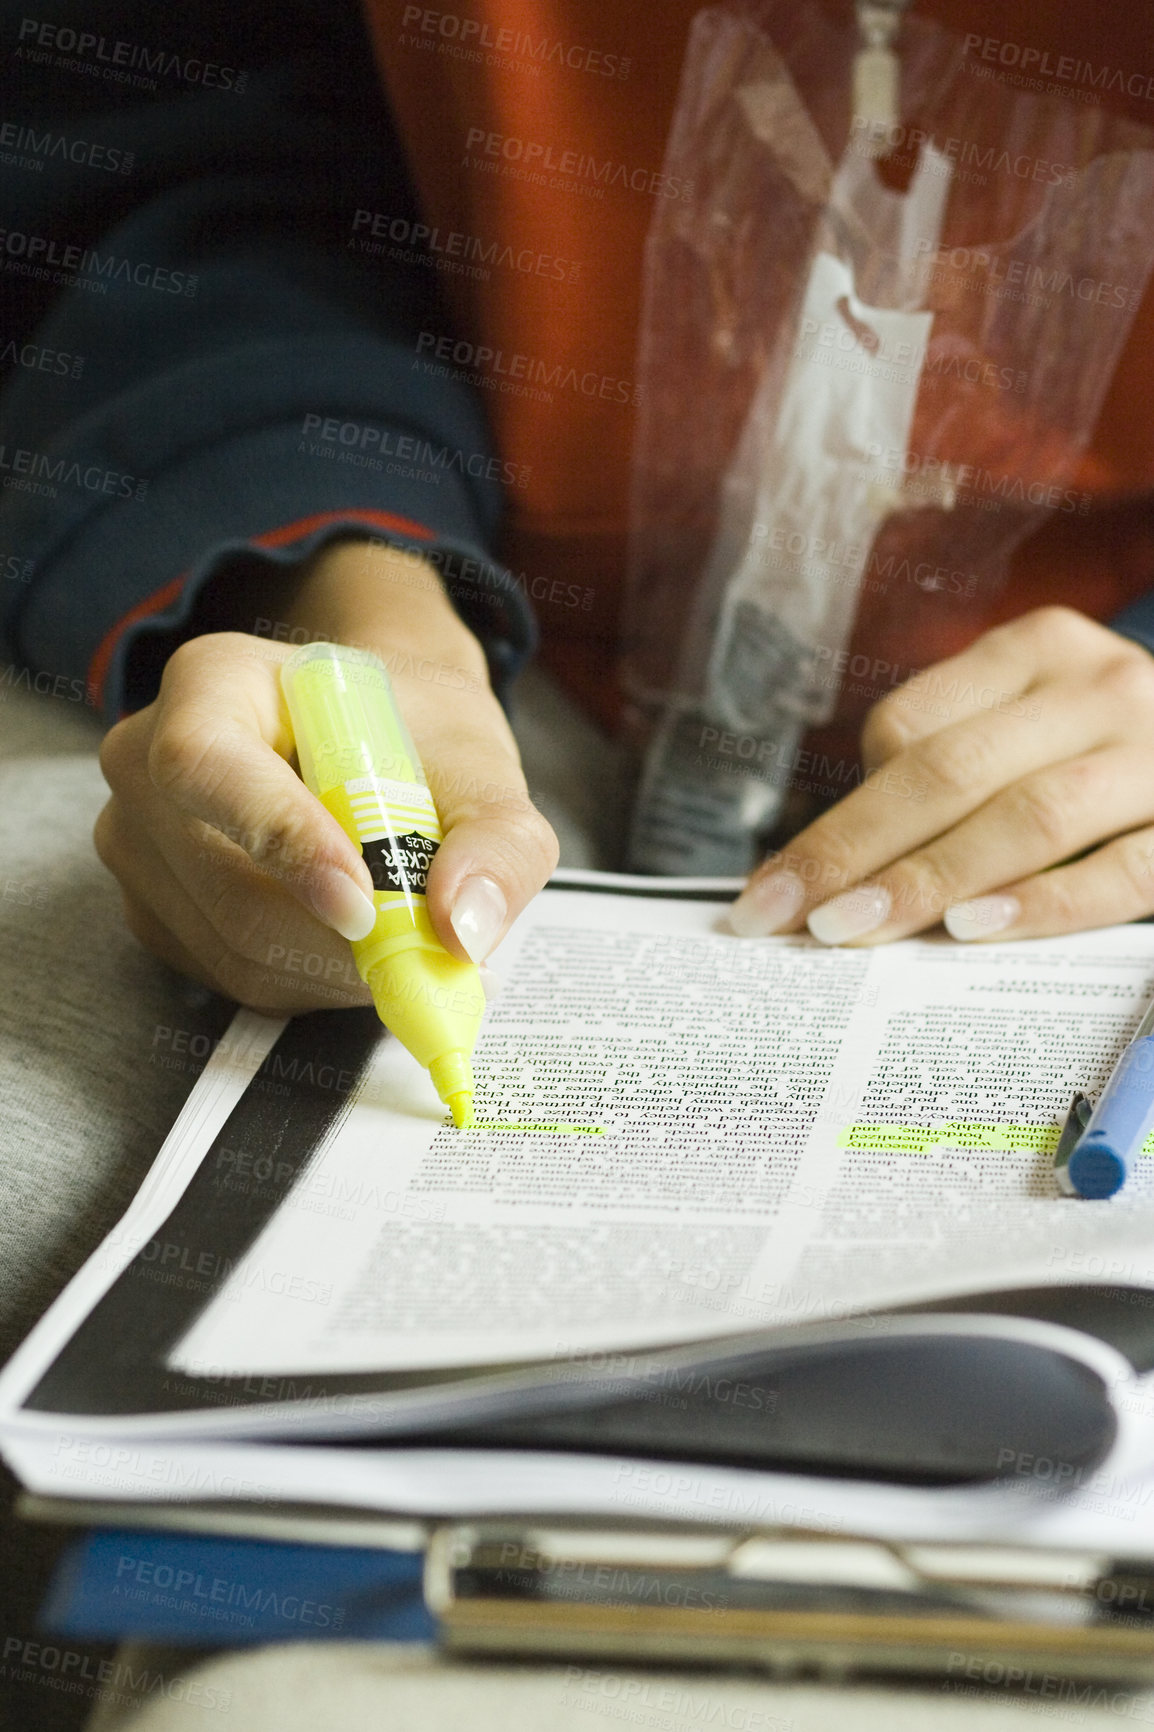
(1118, 1127)
(1095, 1169)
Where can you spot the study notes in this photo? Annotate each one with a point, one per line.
(768, 1132)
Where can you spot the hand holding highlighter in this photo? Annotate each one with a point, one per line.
(355, 754)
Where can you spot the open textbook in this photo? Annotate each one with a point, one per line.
(756, 1204)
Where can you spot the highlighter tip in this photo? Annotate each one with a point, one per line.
(461, 1107)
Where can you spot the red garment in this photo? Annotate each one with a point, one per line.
(498, 101)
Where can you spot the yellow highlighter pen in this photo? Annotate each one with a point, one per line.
(356, 756)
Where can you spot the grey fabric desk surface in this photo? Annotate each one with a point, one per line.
(82, 1010)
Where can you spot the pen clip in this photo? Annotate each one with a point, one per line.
(1078, 1117)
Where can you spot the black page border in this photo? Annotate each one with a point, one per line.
(114, 1364)
(115, 1361)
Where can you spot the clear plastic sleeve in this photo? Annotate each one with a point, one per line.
(848, 366)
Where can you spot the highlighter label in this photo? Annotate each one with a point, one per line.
(375, 791)
(397, 829)
(399, 863)
(382, 808)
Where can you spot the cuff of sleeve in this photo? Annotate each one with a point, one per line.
(87, 610)
(1137, 622)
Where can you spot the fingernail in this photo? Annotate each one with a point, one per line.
(981, 918)
(478, 916)
(849, 916)
(766, 905)
(343, 905)
(490, 983)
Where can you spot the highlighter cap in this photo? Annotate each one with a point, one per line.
(345, 719)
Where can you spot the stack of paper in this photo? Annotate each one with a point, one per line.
(672, 1276)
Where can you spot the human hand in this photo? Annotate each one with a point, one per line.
(234, 874)
(1009, 791)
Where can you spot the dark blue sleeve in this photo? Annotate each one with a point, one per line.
(1137, 621)
(209, 369)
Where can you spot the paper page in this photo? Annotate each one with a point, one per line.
(1111, 1507)
(472, 1483)
(725, 1082)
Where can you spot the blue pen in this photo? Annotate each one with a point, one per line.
(1096, 1147)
